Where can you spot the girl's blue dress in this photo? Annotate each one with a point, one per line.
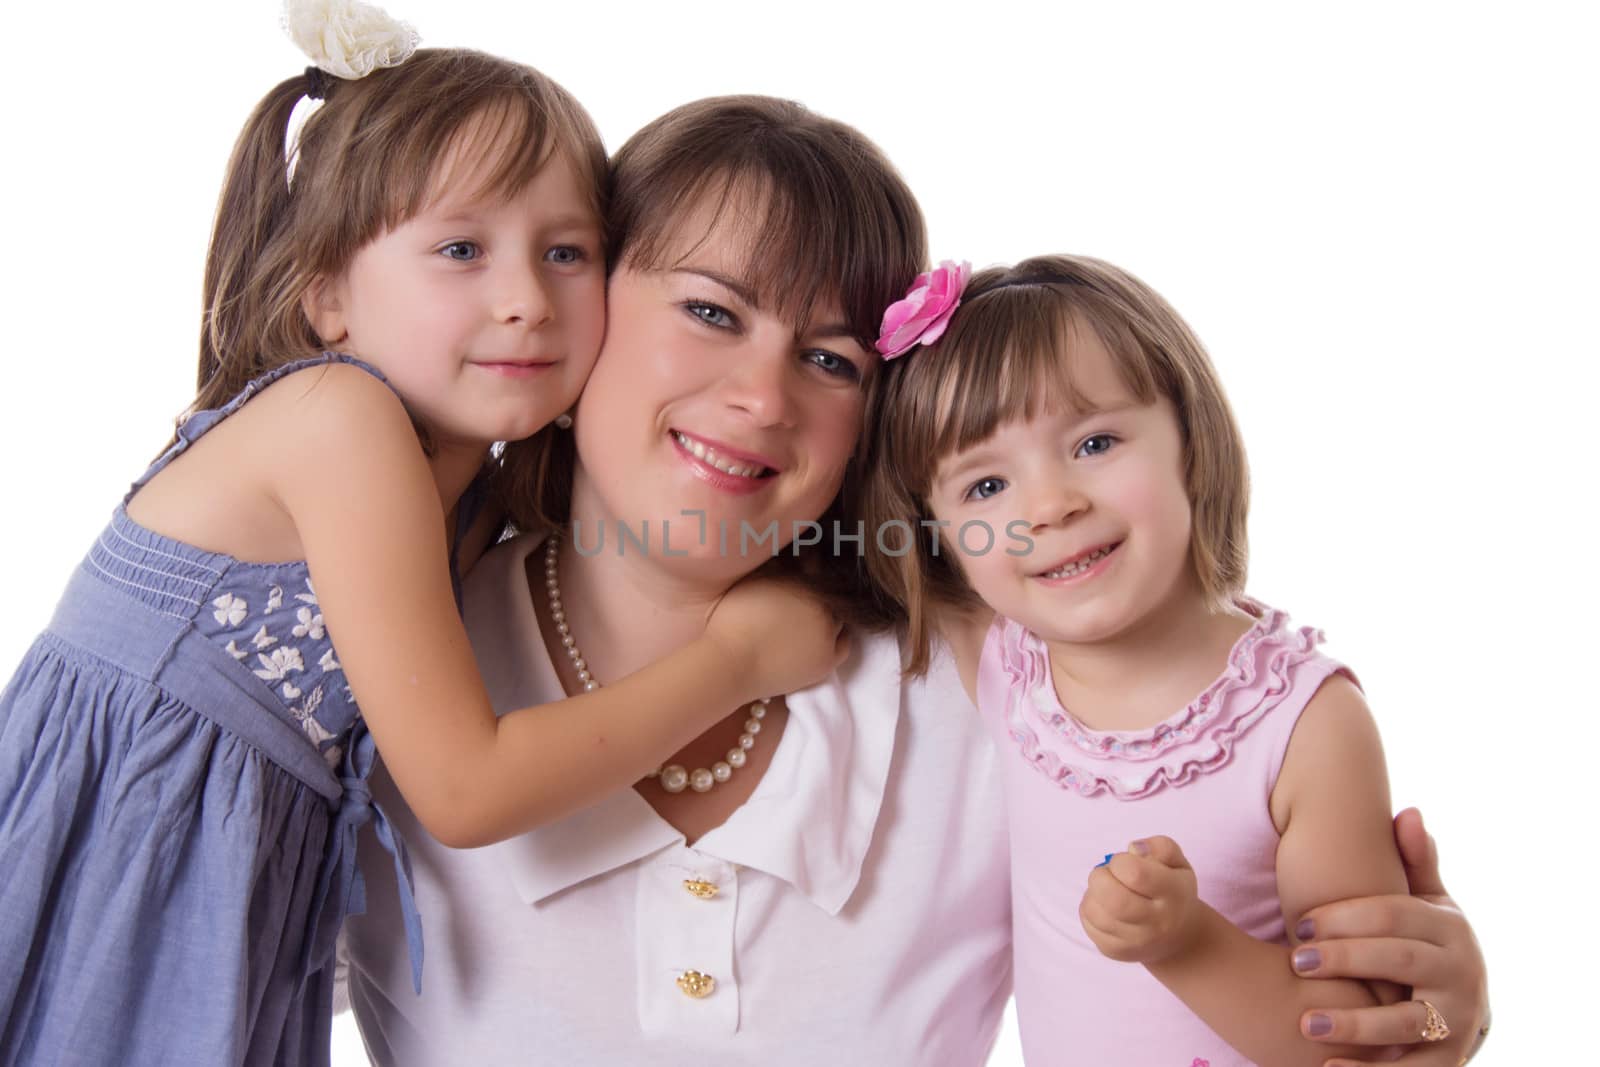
(182, 775)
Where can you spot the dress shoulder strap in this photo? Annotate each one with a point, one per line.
(199, 423)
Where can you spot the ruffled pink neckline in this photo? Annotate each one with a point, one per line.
(1195, 740)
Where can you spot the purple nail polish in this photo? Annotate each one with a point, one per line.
(1139, 848)
(1307, 959)
(1319, 1026)
(1305, 930)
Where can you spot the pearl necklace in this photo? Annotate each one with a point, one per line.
(674, 776)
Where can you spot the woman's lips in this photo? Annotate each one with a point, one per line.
(723, 467)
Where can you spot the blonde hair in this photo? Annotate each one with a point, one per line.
(1008, 355)
(365, 161)
(838, 222)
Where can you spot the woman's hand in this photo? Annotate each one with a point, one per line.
(1142, 906)
(778, 634)
(1422, 941)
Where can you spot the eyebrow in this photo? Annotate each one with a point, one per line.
(733, 285)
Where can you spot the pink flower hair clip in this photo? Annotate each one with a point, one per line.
(921, 317)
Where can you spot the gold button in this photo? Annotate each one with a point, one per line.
(700, 887)
(695, 984)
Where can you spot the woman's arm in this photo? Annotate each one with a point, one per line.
(1331, 804)
(1422, 941)
(371, 523)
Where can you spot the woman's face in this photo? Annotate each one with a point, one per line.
(705, 400)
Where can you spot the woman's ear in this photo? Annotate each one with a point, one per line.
(323, 304)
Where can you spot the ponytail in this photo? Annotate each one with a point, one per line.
(242, 276)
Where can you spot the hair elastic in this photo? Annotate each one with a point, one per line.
(318, 82)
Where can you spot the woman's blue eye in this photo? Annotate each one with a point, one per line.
(461, 251)
(565, 255)
(834, 364)
(1095, 445)
(710, 314)
(985, 488)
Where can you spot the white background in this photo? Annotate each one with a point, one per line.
(1380, 218)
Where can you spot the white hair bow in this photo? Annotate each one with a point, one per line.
(346, 38)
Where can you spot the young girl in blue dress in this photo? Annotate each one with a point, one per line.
(183, 766)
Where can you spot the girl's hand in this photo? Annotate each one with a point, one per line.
(1144, 905)
(1422, 941)
(778, 634)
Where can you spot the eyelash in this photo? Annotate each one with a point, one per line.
(579, 254)
(971, 493)
(1078, 453)
(696, 309)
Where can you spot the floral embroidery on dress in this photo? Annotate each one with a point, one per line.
(309, 624)
(281, 662)
(230, 609)
(283, 651)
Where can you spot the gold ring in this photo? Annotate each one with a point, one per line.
(1434, 1028)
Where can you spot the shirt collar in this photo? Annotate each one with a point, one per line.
(811, 818)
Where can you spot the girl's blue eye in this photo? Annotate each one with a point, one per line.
(710, 314)
(566, 255)
(461, 251)
(985, 488)
(834, 365)
(1095, 445)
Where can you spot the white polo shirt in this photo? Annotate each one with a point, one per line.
(861, 910)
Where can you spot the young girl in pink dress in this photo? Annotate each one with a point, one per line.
(1058, 485)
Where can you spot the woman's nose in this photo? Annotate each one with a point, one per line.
(761, 385)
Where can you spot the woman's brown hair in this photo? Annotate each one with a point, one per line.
(836, 223)
(1008, 355)
(363, 162)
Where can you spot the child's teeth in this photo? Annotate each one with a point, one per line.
(1079, 566)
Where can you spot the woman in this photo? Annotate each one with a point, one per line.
(838, 889)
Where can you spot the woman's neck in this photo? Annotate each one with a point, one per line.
(626, 607)
(1147, 673)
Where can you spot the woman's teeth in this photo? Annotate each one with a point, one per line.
(1067, 570)
(709, 457)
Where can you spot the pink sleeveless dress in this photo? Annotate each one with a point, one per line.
(1202, 777)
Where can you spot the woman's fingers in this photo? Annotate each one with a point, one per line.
(1395, 959)
(1387, 916)
(1392, 1024)
(1419, 853)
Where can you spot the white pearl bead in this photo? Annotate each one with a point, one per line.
(558, 615)
(752, 726)
(701, 780)
(721, 771)
(579, 663)
(550, 582)
(563, 629)
(746, 742)
(573, 653)
(736, 757)
(566, 639)
(759, 711)
(589, 687)
(585, 677)
(674, 778)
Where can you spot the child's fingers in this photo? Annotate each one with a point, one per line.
(1162, 849)
(1115, 901)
